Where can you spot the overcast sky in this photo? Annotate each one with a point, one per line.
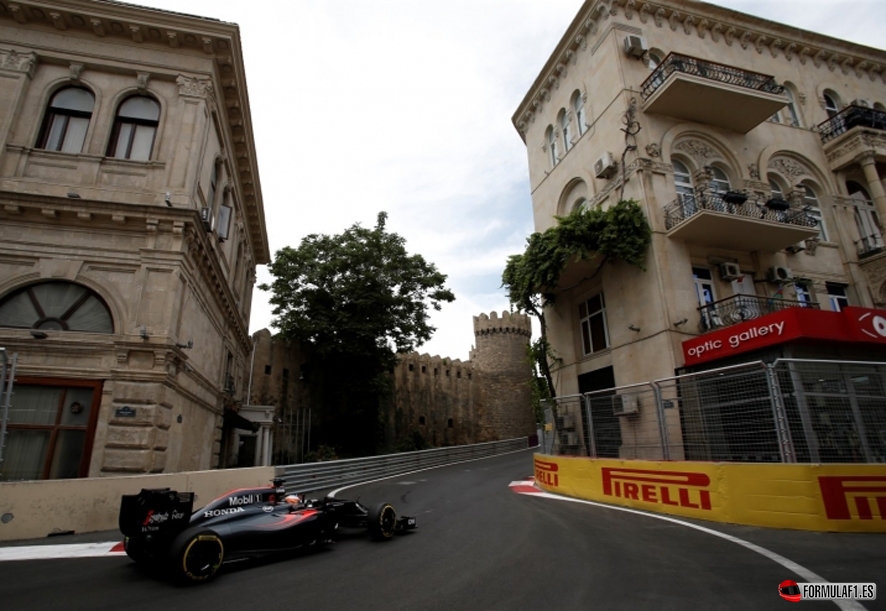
(405, 106)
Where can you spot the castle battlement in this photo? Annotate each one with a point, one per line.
(509, 322)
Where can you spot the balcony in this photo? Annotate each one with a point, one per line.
(740, 308)
(843, 135)
(735, 222)
(714, 94)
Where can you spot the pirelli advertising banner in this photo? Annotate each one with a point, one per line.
(846, 498)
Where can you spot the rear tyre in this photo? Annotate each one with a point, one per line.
(381, 521)
(197, 556)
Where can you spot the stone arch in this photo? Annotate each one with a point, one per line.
(794, 167)
(575, 189)
(701, 147)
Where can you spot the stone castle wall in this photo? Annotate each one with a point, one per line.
(446, 401)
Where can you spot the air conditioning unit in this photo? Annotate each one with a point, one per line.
(730, 272)
(622, 405)
(605, 166)
(635, 46)
(206, 218)
(795, 248)
(779, 274)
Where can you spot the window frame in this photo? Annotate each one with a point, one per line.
(586, 318)
(121, 121)
(66, 114)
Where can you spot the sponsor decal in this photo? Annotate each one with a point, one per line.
(675, 488)
(244, 499)
(794, 592)
(214, 513)
(736, 340)
(872, 325)
(864, 491)
(267, 508)
(546, 472)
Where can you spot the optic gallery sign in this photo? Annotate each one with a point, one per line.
(852, 325)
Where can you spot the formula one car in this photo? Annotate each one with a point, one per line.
(160, 529)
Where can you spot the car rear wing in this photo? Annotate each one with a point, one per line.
(158, 511)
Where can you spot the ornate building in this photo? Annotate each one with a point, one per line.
(757, 152)
(131, 222)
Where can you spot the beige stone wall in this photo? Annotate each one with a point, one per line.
(590, 59)
(131, 231)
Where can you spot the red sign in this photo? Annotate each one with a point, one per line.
(677, 488)
(852, 325)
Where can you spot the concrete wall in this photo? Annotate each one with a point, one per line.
(38, 508)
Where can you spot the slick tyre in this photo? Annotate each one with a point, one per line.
(196, 556)
(381, 521)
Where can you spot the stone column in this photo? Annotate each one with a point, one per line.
(869, 165)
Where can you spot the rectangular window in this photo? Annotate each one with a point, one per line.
(592, 319)
(837, 296)
(804, 296)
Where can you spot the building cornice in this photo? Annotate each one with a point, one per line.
(141, 26)
(715, 24)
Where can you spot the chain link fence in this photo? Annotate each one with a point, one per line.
(792, 410)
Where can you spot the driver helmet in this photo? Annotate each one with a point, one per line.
(292, 499)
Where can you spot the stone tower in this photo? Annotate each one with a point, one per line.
(503, 374)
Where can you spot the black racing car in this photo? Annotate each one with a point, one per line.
(160, 529)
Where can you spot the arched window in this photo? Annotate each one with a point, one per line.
(580, 204)
(776, 189)
(551, 136)
(566, 128)
(56, 306)
(653, 59)
(67, 119)
(813, 209)
(719, 180)
(682, 179)
(685, 189)
(879, 106)
(135, 128)
(831, 103)
(790, 111)
(581, 119)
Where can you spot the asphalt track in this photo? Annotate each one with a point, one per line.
(479, 546)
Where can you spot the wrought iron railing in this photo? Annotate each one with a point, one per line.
(720, 73)
(849, 117)
(689, 204)
(869, 245)
(740, 308)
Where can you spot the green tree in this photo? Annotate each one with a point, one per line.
(618, 233)
(353, 301)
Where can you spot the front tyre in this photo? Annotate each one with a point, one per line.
(381, 521)
(197, 556)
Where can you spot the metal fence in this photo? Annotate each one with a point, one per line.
(792, 410)
(308, 477)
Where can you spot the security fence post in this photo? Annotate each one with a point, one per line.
(782, 430)
(662, 421)
(591, 438)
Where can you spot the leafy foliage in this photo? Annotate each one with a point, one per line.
(354, 301)
(619, 233)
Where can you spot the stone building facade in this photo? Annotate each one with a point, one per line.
(447, 402)
(131, 222)
(757, 152)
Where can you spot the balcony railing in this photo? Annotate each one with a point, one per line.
(849, 117)
(713, 71)
(740, 308)
(869, 245)
(688, 205)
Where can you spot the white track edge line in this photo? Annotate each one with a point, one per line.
(53, 552)
(803, 572)
(460, 462)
